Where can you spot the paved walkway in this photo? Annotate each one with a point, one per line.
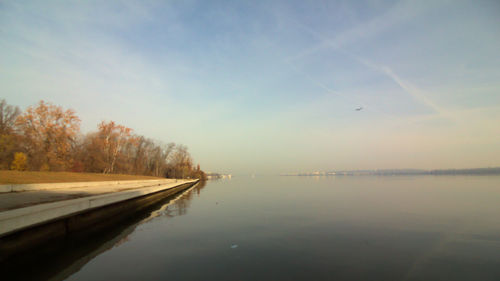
(14, 200)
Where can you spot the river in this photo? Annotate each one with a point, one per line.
(301, 228)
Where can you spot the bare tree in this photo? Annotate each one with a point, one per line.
(8, 115)
(9, 140)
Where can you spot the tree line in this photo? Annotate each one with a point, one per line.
(46, 137)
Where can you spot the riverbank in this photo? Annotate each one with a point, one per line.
(31, 218)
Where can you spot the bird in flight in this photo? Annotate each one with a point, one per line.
(359, 108)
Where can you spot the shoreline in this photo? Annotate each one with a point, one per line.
(28, 227)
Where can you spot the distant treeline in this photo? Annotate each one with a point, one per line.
(477, 171)
(391, 172)
(46, 137)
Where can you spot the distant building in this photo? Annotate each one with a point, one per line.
(218, 176)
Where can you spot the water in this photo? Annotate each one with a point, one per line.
(305, 228)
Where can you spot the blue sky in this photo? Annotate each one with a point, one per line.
(270, 86)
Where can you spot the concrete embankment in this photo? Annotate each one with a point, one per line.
(32, 217)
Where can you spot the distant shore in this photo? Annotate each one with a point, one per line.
(395, 172)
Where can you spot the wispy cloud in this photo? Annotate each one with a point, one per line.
(401, 11)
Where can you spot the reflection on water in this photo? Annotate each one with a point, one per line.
(59, 260)
(176, 205)
(303, 228)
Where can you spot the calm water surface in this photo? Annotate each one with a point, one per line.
(308, 228)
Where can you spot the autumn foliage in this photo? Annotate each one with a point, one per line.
(47, 137)
(19, 162)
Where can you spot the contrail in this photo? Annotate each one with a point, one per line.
(406, 86)
(346, 98)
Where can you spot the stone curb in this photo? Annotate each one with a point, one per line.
(21, 218)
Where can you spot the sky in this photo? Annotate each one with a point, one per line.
(270, 87)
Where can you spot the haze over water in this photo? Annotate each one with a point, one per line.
(312, 228)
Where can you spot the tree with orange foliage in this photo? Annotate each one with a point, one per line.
(49, 133)
(113, 138)
(46, 137)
